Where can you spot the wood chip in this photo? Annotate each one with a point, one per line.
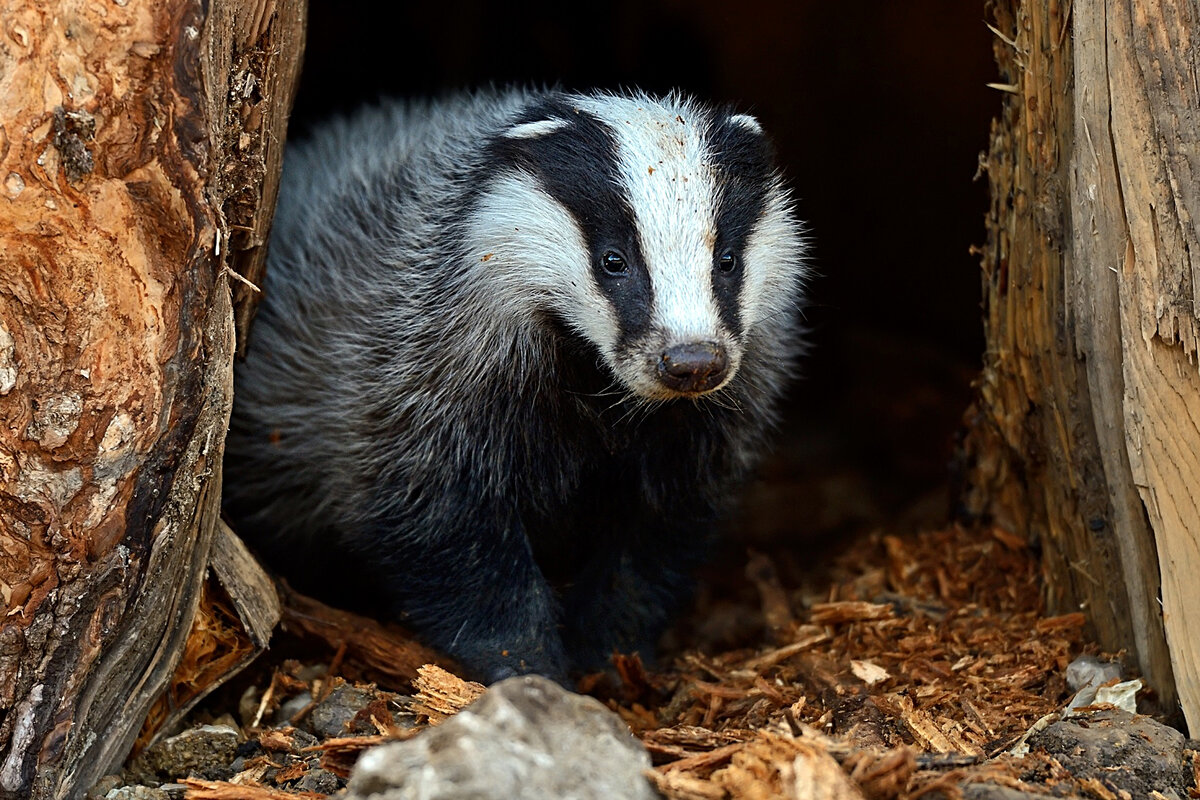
(915, 665)
(441, 694)
(848, 611)
(868, 673)
(1073, 621)
(224, 790)
(1098, 790)
(341, 754)
(977, 660)
(676, 786)
(776, 608)
(704, 760)
(279, 739)
(808, 638)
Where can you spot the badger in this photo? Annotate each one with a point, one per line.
(517, 351)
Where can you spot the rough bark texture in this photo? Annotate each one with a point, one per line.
(116, 341)
(1086, 432)
(255, 54)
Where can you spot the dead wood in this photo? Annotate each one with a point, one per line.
(384, 652)
(1083, 432)
(116, 348)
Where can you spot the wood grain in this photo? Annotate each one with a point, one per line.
(116, 349)
(1138, 203)
(1037, 463)
(1087, 431)
(1099, 242)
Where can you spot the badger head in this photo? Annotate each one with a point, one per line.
(658, 230)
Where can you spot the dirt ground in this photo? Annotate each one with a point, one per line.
(914, 663)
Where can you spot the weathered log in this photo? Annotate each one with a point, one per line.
(1085, 431)
(237, 613)
(125, 139)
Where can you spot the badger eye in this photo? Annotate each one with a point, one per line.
(728, 262)
(613, 263)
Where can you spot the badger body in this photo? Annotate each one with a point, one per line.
(516, 352)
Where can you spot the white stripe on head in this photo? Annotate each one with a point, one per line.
(748, 122)
(536, 254)
(533, 130)
(669, 182)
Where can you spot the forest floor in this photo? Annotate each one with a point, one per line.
(907, 667)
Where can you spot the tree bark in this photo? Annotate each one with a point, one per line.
(1086, 431)
(128, 131)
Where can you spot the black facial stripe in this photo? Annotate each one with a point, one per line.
(577, 165)
(744, 166)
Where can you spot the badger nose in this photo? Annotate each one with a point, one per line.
(693, 368)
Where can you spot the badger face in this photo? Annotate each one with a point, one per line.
(657, 229)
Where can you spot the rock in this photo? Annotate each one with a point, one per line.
(319, 781)
(525, 738)
(1121, 751)
(335, 715)
(104, 786)
(205, 751)
(290, 708)
(137, 793)
(1088, 671)
(990, 791)
(1085, 675)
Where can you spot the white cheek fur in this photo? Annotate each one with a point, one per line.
(537, 256)
(774, 263)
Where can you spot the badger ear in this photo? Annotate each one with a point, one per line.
(535, 129)
(746, 121)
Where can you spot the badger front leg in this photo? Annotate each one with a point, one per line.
(479, 597)
(625, 598)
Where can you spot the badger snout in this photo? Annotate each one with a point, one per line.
(693, 368)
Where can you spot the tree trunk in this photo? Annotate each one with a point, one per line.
(1086, 431)
(134, 137)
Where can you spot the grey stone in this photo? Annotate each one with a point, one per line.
(319, 781)
(1085, 675)
(1123, 751)
(137, 793)
(289, 709)
(302, 739)
(1088, 671)
(334, 715)
(104, 786)
(205, 751)
(990, 791)
(525, 739)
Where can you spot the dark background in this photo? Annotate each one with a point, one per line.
(878, 111)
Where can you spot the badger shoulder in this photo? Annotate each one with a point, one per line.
(452, 284)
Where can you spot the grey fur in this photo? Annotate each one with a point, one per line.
(403, 390)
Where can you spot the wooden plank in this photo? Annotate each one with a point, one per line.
(1152, 53)
(251, 589)
(256, 64)
(1098, 251)
(1085, 433)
